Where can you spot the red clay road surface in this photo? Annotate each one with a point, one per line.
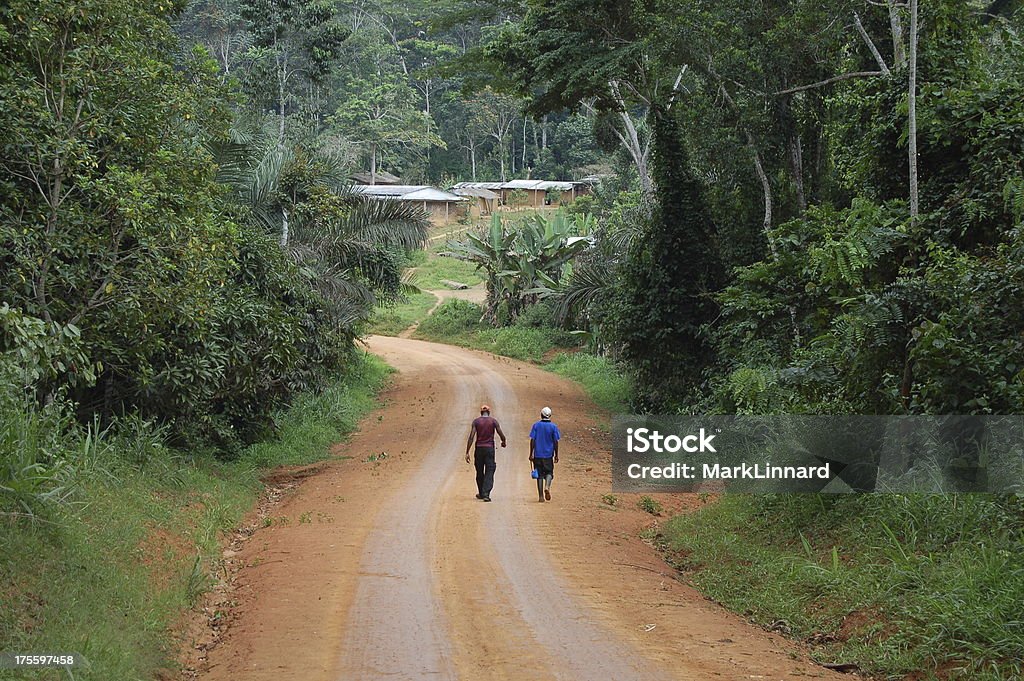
(383, 565)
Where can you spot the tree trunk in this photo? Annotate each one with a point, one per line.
(282, 76)
(284, 228)
(501, 158)
(796, 159)
(899, 56)
(766, 189)
(523, 164)
(544, 132)
(638, 153)
(373, 164)
(912, 112)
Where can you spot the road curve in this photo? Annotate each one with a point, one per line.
(405, 575)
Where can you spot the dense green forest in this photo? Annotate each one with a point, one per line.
(804, 207)
(178, 236)
(830, 217)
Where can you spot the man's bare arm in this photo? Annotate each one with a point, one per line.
(556, 451)
(469, 441)
(497, 427)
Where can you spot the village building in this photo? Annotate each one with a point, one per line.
(532, 193)
(482, 201)
(442, 206)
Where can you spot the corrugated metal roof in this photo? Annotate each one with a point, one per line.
(431, 194)
(381, 177)
(521, 184)
(534, 185)
(406, 192)
(388, 189)
(478, 192)
(477, 185)
(554, 186)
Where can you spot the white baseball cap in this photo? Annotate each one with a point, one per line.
(545, 412)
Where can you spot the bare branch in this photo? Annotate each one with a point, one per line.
(871, 45)
(830, 81)
(675, 86)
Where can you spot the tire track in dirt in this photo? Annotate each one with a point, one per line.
(395, 610)
(574, 645)
(410, 577)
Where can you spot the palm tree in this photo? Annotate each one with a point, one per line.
(348, 244)
(591, 284)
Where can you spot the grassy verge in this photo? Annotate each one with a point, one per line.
(925, 586)
(394, 319)
(605, 385)
(458, 322)
(431, 269)
(123, 528)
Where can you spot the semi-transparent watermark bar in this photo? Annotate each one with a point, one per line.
(836, 454)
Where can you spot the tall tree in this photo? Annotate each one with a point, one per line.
(669, 277)
(380, 113)
(294, 41)
(494, 114)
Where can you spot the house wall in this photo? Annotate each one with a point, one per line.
(436, 210)
(531, 198)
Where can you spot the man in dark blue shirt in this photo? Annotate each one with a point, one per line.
(544, 437)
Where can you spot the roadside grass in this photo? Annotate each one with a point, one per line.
(605, 385)
(107, 570)
(431, 268)
(929, 585)
(394, 319)
(457, 322)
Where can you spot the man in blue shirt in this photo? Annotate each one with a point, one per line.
(544, 437)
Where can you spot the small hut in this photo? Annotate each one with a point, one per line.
(482, 201)
(522, 193)
(441, 205)
(557, 193)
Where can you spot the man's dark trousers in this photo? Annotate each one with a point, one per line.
(483, 458)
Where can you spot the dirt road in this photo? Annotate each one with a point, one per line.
(384, 565)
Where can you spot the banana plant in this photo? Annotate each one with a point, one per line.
(523, 261)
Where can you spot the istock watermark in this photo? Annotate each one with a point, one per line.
(838, 454)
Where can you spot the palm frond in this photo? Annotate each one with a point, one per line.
(399, 224)
(590, 281)
(265, 177)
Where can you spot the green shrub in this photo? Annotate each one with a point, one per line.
(542, 316)
(452, 318)
(515, 342)
(938, 576)
(34, 475)
(128, 528)
(650, 505)
(601, 379)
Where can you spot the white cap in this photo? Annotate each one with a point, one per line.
(545, 412)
